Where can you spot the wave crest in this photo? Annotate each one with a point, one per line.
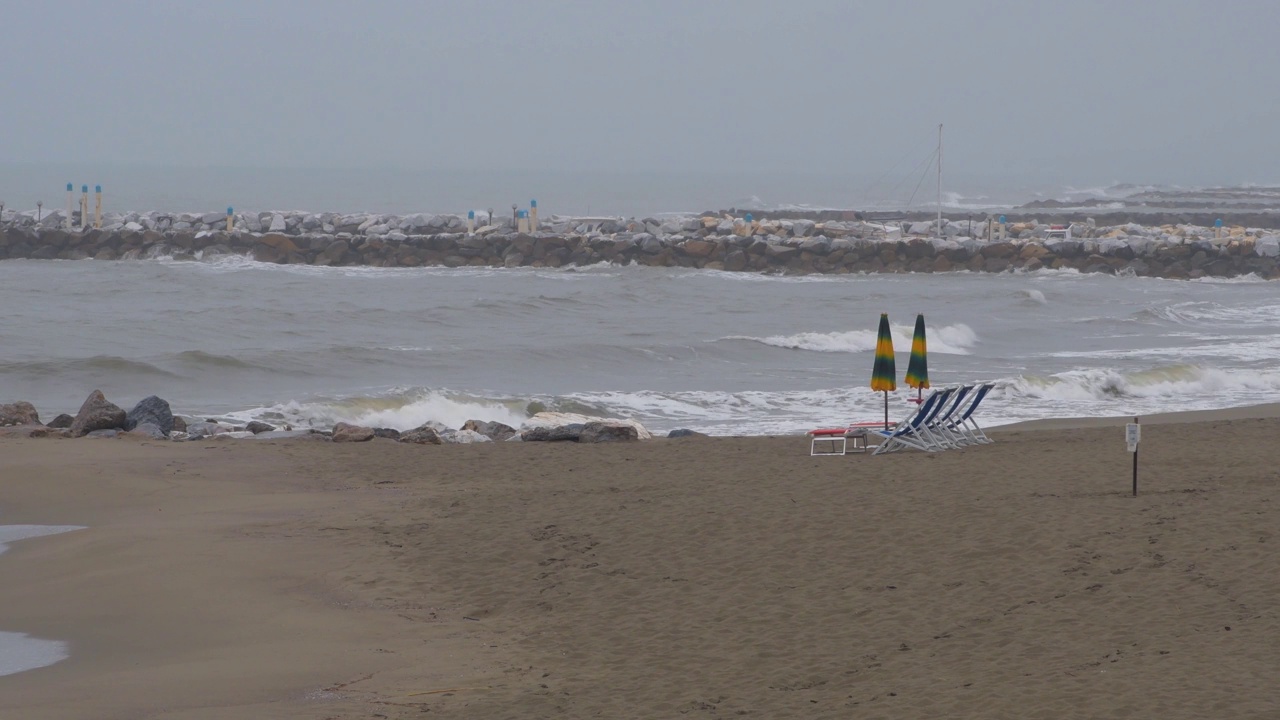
(949, 339)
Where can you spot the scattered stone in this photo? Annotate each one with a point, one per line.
(19, 413)
(256, 427)
(62, 421)
(109, 433)
(179, 424)
(344, 432)
(386, 433)
(97, 414)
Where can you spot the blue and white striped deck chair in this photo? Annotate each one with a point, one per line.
(964, 424)
(911, 432)
(940, 425)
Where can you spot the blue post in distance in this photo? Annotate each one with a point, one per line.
(230, 219)
(533, 215)
(471, 221)
(97, 206)
(66, 222)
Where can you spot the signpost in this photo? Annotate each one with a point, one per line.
(1132, 434)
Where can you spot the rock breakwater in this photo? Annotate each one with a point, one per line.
(719, 242)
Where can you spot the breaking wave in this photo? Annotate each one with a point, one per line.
(950, 339)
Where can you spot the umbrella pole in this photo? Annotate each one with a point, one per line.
(886, 410)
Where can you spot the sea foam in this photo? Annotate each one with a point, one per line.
(950, 339)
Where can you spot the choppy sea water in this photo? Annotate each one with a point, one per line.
(723, 353)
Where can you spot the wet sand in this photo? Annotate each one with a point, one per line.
(726, 577)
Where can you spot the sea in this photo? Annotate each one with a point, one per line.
(717, 352)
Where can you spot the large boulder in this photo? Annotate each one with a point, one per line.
(594, 432)
(150, 410)
(344, 432)
(492, 430)
(19, 413)
(569, 432)
(563, 420)
(96, 414)
(257, 427)
(422, 435)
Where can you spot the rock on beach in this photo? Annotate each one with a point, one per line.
(97, 414)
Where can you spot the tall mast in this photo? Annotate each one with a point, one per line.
(940, 233)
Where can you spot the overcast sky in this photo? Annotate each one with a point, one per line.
(1145, 91)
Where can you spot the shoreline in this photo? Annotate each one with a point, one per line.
(529, 579)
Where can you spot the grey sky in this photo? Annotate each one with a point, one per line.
(1172, 91)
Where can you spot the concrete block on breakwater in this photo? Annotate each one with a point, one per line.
(709, 241)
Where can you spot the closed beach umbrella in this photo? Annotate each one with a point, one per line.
(918, 367)
(883, 373)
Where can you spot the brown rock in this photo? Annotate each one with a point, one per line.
(344, 432)
(63, 421)
(96, 414)
(19, 413)
(699, 248)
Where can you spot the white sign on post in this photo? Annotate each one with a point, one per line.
(1132, 434)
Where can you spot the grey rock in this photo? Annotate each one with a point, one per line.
(278, 224)
(465, 437)
(685, 432)
(423, 435)
(109, 433)
(492, 430)
(19, 413)
(386, 433)
(257, 427)
(96, 414)
(149, 429)
(594, 432)
(151, 410)
(62, 421)
(561, 433)
(213, 218)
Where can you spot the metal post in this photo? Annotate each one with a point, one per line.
(471, 221)
(1135, 466)
(491, 219)
(515, 215)
(66, 222)
(533, 215)
(231, 221)
(97, 212)
(39, 210)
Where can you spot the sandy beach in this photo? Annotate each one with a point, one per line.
(719, 577)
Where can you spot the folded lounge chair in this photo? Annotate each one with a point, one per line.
(964, 426)
(940, 426)
(913, 431)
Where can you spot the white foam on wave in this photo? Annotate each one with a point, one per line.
(1031, 297)
(399, 409)
(950, 339)
(1188, 382)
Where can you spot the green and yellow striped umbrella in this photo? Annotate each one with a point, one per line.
(883, 372)
(918, 367)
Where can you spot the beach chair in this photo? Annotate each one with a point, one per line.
(911, 433)
(940, 426)
(965, 425)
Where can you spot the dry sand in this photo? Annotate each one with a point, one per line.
(732, 577)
